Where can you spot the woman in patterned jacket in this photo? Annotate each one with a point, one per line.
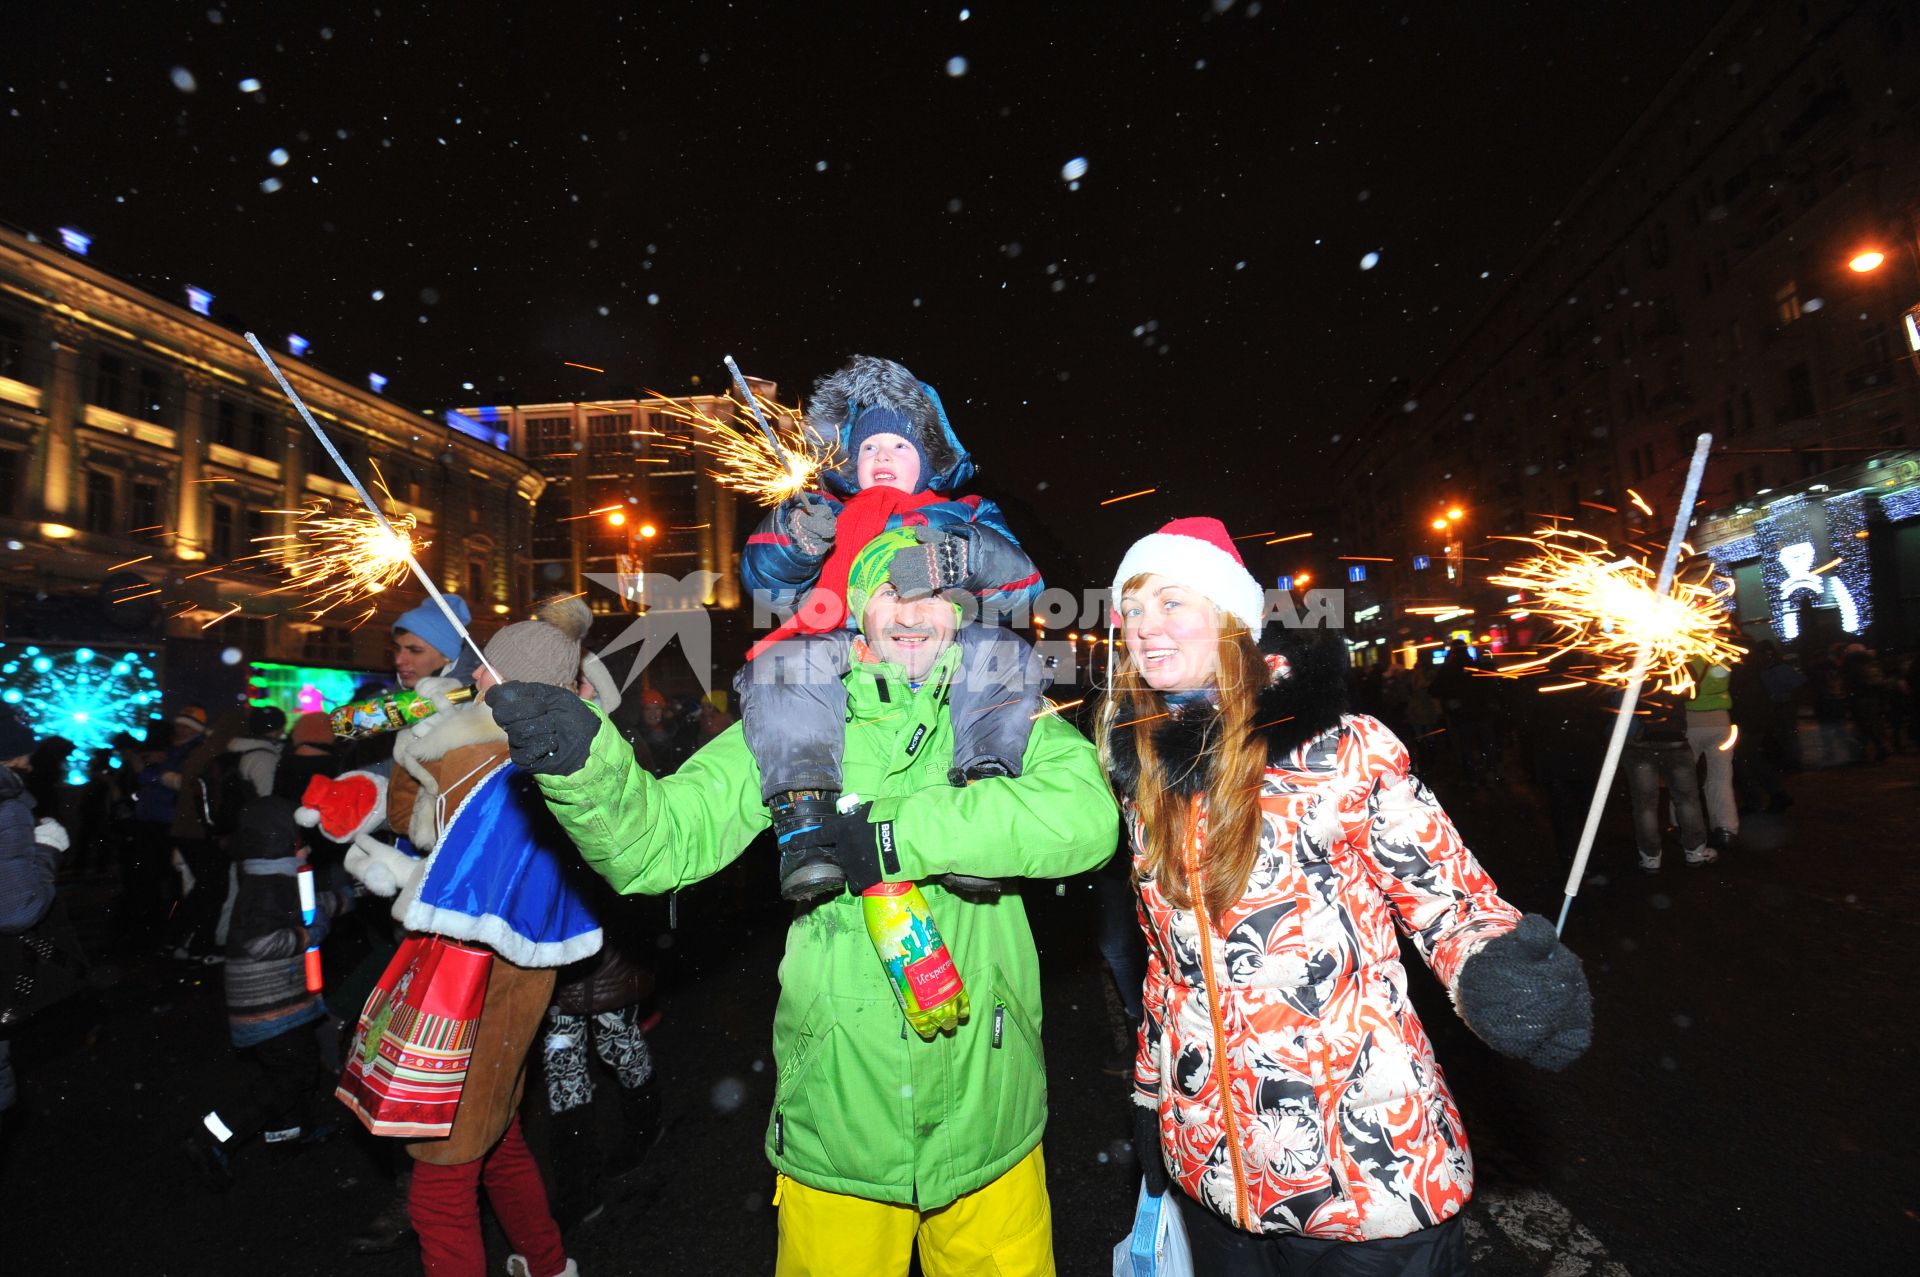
(1282, 1078)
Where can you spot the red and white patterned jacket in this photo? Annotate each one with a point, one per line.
(1296, 1088)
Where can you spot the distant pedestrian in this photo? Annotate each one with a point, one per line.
(1783, 682)
(1710, 738)
(29, 850)
(1830, 708)
(1657, 753)
(271, 1013)
(1866, 686)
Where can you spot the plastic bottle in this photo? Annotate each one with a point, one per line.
(918, 963)
(389, 713)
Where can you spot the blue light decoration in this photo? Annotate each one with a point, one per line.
(199, 301)
(476, 430)
(1802, 533)
(1421, 563)
(1357, 573)
(80, 694)
(377, 383)
(1900, 505)
(1286, 583)
(297, 345)
(74, 242)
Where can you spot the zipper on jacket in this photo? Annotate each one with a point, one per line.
(779, 1133)
(999, 1022)
(1222, 1065)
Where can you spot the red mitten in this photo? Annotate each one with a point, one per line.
(341, 806)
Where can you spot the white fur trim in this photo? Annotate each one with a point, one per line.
(1200, 565)
(306, 816)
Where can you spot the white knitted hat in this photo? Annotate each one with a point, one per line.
(1198, 554)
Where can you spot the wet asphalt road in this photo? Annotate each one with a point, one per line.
(1744, 1109)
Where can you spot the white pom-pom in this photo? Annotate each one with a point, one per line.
(307, 816)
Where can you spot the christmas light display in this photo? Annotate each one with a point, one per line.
(82, 694)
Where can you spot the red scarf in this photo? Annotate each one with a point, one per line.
(865, 516)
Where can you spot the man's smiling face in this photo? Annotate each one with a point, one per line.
(912, 634)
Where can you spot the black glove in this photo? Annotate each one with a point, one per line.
(938, 563)
(810, 522)
(549, 729)
(863, 850)
(1526, 996)
(1146, 1147)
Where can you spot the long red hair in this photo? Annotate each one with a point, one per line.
(1234, 758)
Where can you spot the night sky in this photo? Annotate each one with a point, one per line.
(472, 194)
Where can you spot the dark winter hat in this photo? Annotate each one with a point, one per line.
(16, 738)
(1197, 553)
(881, 419)
(265, 830)
(266, 720)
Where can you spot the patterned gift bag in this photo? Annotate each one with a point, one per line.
(411, 1048)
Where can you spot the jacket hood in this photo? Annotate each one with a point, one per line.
(1306, 696)
(868, 382)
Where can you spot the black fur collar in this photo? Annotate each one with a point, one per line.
(1293, 709)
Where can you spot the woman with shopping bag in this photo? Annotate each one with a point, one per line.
(1286, 1095)
(501, 883)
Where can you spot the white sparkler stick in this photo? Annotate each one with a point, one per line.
(753, 405)
(366, 499)
(1611, 766)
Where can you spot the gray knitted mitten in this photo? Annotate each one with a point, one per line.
(1526, 996)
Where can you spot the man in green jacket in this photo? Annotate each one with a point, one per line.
(879, 1138)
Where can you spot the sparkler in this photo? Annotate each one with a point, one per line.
(337, 560)
(779, 462)
(366, 499)
(1611, 609)
(1649, 636)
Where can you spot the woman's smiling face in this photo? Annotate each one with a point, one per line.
(1171, 632)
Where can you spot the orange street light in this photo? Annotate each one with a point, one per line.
(647, 530)
(1455, 512)
(1439, 525)
(617, 519)
(1301, 578)
(1867, 261)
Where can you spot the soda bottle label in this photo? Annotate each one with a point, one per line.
(933, 979)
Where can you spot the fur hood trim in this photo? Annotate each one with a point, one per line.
(866, 382)
(1305, 697)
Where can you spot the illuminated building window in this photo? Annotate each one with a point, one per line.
(100, 502)
(151, 404)
(109, 381)
(226, 423)
(607, 432)
(1786, 302)
(144, 510)
(549, 435)
(260, 431)
(13, 348)
(225, 526)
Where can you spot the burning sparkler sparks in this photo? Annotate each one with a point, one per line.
(1606, 607)
(744, 458)
(340, 560)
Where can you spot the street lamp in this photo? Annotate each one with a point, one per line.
(617, 518)
(1869, 260)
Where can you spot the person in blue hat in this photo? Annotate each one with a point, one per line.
(425, 644)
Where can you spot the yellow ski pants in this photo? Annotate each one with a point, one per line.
(1002, 1230)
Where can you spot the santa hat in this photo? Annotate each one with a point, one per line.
(1200, 555)
(345, 805)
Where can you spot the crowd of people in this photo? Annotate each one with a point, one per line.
(1254, 810)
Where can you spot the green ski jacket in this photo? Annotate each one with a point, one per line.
(862, 1105)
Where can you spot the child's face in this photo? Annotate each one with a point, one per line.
(889, 461)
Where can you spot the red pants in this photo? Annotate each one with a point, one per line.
(444, 1205)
